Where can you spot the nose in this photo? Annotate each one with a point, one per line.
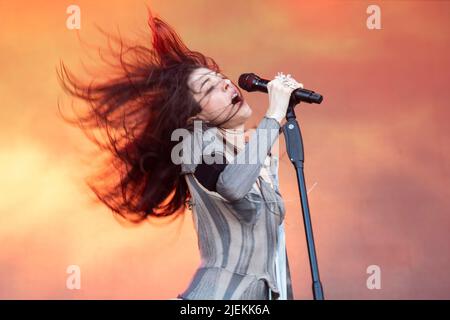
(227, 83)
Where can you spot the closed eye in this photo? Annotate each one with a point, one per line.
(222, 77)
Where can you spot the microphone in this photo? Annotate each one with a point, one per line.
(251, 82)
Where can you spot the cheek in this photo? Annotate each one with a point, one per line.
(209, 107)
(216, 104)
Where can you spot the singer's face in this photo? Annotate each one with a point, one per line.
(214, 92)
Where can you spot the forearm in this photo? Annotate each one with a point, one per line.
(238, 177)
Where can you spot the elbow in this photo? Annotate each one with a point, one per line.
(230, 191)
(246, 205)
(230, 194)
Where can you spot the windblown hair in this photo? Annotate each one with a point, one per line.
(137, 109)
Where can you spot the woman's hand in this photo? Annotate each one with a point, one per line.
(279, 96)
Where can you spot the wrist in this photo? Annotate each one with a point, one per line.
(278, 118)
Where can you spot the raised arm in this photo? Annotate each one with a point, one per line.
(238, 177)
(234, 180)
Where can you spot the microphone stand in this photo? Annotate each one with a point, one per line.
(294, 147)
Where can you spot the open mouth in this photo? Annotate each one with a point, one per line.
(236, 98)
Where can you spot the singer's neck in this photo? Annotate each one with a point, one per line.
(235, 135)
(240, 128)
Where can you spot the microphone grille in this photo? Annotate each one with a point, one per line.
(247, 81)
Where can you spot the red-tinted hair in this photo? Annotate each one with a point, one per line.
(137, 110)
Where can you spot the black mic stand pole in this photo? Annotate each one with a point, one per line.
(294, 147)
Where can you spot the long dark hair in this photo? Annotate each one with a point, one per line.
(137, 109)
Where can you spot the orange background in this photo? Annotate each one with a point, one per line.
(377, 148)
